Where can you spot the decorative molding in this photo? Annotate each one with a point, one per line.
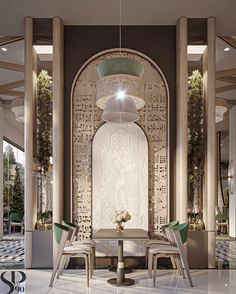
(86, 119)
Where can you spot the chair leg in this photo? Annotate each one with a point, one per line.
(62, 265)
(10, 229)
(55, 268)
(150, 261)
(90, 262)
(185, 263)
(154, 269)
(180, 266)
(87, 268)
(173, 262)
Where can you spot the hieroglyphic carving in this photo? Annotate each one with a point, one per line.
(86, 119)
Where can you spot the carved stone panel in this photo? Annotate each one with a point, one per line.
(86, 119)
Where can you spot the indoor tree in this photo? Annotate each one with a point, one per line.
(196, 156)
(44, 129)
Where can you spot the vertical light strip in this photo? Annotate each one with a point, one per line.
(181, 121)
(211, 166)
(58, 122)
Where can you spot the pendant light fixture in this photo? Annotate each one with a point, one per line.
(17, 106)
(120, 87)
(221, 108)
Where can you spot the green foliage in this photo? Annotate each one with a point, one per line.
(44, 120)
(17, 199)
(195, 128)
(8, 163)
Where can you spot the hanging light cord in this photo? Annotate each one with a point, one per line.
(120, 26)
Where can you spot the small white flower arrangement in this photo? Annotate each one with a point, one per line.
(119, 217)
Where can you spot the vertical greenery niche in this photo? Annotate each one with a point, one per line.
(196, 150)
(44, 131)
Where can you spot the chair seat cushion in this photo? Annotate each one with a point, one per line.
(163, 249)
(157, 242)
(84, 242)
(77, 249)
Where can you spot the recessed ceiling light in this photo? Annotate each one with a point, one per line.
(196, 49)
(43, 49)
(4, 49)
(226, 49)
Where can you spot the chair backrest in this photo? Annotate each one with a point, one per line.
(169, 225)
(73, 227)
(16, 217)
(62, 232)
(178, 235)
(222, 216)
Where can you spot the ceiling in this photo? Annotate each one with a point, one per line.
(106, 12)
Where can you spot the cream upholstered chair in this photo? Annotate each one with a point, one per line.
(74, 242)
(63, 236)
(161, 241)
(177, 236)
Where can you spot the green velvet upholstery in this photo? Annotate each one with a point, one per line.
(172, 224)
(120, 65)
(222, 216)
(183, 230)
(58, 230)
(169, 226)
(68, 224)
(16, 217)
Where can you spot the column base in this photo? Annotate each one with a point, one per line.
(126, 282)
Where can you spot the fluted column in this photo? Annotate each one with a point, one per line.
(58, 122)
(30, 92)
(181, 121)
(211, 152)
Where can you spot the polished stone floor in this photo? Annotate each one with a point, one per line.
(168, 281)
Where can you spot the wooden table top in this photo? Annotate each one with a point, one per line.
(128, 234)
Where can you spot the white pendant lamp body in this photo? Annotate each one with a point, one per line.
(17, 106)
(221, 108)
(119, 89)
(121, 110)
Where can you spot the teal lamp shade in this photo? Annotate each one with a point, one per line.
(120, 65)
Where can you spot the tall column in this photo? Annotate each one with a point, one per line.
(1, 173)
(30, 91)
(232, 172)
(181, 121)
(58, 122)
(211, 152)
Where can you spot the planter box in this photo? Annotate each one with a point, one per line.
(42, 249)
(197, 249)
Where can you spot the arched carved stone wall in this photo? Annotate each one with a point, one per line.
(86, 119)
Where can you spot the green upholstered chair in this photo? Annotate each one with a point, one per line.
(16, 220)
(161, 241)
(74, 242)
(63, 235)
(222, 222)
(177, 236)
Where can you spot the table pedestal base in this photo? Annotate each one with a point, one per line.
(126, 282)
